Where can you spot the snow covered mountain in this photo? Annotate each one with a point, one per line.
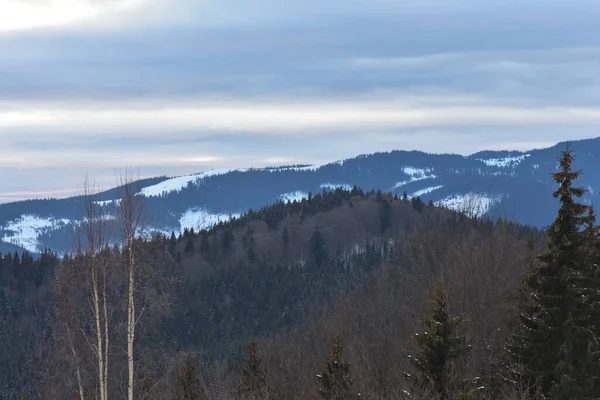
(516, 185)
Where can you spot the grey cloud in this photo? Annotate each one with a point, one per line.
(529, 53)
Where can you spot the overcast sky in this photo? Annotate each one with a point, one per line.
(181, 86)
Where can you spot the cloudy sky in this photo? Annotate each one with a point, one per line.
(181, 86)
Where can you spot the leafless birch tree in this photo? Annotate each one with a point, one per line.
(130, 219)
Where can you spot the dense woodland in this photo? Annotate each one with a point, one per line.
(344, 295)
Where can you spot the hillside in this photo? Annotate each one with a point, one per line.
(255, 277)
(511, 184)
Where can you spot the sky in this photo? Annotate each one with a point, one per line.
(181, 86)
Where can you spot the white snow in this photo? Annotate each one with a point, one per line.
(297, 196)
(426, 190)
(416, 174)
(107, 202)
(199, 218)
(181, 182)
(504, 162)
(26, 230)
(472, 204)
(334, 186)
(305, 168)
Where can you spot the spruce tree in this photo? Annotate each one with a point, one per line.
(335, 381)
(556, 348)
(188, 383)
(440, 347)
(254, 378)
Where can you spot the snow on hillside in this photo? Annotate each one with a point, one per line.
(505, 162)
(181, 182)
(297, 196)
(472, 204)
(426, 190)
(24, 231)
(305, 168)
(416, 174)
(199, 218)
(334, 186)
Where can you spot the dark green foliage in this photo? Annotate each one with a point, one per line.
(204, 243)
(556, 347)
(335, 382)
(227, 239)
(254, 378)
(405, 197)
(417, 203)
(285, 236)
(318, 249)
(385, 216)
(188, 383)
(189, 245)
(172, 244)
(440, 351)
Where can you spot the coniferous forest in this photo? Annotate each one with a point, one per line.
(344, 295)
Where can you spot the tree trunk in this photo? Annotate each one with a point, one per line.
(77, 370)
(131, 320)
(99, 328)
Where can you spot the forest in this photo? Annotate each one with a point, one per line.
(344, 295)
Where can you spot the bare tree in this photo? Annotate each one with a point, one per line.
(96, 238)
(130, 218)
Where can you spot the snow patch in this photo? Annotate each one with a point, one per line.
(416, 174)
(426, 190)
(334, 186)
(181, 182)
(103, 203)
(305, 168)
(293, 196)
(472, 204)
(504, 162)
(199, 218)
(26, 230)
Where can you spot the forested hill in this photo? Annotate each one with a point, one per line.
(507, 183)
(212, 291)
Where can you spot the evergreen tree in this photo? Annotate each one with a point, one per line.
(556, 347)
(188, 383)
(405, 197)
(335, 381)
(204, 243)
(172, 243)
(285, 236)
(189, 245)
(385, 216)
(440, 347)
(317, 247)
(254, 377)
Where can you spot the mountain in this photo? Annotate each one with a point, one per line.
(515, 185)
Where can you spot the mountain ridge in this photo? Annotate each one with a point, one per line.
(513, 184)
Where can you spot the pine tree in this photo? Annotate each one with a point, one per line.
(189, 245)
(318, 248)
(254, 378)
(188, 383)
(335, 381)
(440, 347)
(405, 197)
(204, 243)
(385, 216)
(172, 243)
(556, 348)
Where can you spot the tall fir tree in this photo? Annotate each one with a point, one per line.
(188, 384)
(440, 349)
(556, 350)
(335, 382)
(253, 385)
